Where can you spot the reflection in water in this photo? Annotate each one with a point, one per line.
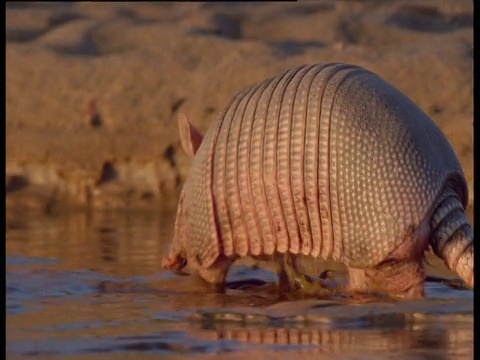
(391, 340)
(393, 332)
(91, 285)
(113, 243)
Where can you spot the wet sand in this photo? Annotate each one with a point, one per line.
(94, 89)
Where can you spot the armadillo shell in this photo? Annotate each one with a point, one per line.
(325, 160)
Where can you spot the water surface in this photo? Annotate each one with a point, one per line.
(89, 285)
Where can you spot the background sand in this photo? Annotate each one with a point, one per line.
(144, 63)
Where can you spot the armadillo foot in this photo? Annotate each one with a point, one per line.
(397, 278)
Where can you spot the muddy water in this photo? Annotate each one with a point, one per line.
(90, 286)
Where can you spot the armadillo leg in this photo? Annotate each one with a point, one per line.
(216, 274)
(357, 280)
(290, 278)
(286, 274)
(452, 237)
(394, 277)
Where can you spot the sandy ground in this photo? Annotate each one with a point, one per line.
(134, 67)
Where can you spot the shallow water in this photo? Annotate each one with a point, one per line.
(90, 286)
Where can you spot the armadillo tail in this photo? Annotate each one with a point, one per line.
(451, 237)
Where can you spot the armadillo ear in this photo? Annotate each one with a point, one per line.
(190, 136)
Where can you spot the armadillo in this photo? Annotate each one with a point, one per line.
(328, 161)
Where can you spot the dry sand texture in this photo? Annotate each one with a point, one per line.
(134, 66)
